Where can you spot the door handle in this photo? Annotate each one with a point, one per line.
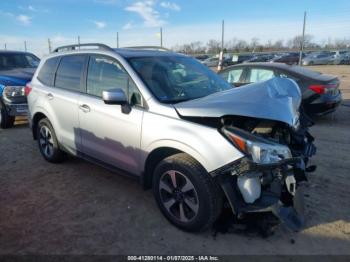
(85, 108)
(49, 96)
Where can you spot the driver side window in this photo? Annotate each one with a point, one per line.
(106, 73)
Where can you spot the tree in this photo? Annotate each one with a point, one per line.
(296, 41)
(278, 45)
(213, 46)
(254, 42)
(241, 44)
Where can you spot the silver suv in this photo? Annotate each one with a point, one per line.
(169, 120)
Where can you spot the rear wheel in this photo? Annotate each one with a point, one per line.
(6, 121)
(186, 194)
(48, 143)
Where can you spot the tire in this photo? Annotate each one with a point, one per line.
(47, 142)
(195, 193)
(6, 121)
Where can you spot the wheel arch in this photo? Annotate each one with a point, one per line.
(158, 154)
(36, 118)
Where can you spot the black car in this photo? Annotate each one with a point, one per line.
(260, 58)
(201, 57)
(16, 69)
(288, 58)
(320, 92)
(237, 59)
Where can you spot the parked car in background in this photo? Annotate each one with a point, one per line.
(211, 61)
(181, 129)
(323, 58)
(240, 58)
(260, 58)
(339, 57)
(320, 93)
(214, 61)
(16, 69)
(291, 58)
(201, 57)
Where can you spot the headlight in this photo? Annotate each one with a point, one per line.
(265, 153)
(260, 150)
(13, 91)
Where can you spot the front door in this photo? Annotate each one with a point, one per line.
(108, 134)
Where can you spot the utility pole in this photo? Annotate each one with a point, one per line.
(49, 43)
(79, 42)
(221, 56)
(117, 39)
(302, 40)
(222, 35)
(25, 46)
(161, 37)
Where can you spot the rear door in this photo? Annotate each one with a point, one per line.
(63, 100)
(109, 135)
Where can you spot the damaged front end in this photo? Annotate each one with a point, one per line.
(271, 176)
(266, 123)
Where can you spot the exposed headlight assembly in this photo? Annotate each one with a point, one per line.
(260, 150)
(13, 91)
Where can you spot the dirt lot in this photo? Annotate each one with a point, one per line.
(79, 208)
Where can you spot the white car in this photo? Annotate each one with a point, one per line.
(178, 127)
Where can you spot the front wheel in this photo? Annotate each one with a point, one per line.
(48, 143)
(186, 194)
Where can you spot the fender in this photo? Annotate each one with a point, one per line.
(39, 109)
(175, 145)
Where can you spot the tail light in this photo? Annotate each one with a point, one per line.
(319, 89)
(27, 89)
(322, 89)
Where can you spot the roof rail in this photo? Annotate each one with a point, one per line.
(77, 46)
(156, 48)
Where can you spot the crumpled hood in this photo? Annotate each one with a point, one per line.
(276, 99)
(18, 76)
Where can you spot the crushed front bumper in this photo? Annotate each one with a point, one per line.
(275, 197)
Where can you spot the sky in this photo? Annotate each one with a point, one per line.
(183, 21)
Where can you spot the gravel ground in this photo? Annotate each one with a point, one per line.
(79, 208)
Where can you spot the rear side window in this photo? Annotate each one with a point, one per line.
(47, 72)
(69, 72)
(233, 76)
(258, 75)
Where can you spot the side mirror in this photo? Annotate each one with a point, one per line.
(117, 97)
(114, 97)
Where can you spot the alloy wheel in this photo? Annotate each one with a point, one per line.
(178, 195)
(46, 141)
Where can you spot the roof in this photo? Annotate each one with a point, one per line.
(137, 51)
(263, 64)
(134, 52)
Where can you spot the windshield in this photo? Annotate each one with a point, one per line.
(16, 60)
(175, 79)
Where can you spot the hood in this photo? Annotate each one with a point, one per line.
(276, 99)
(18, 76)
